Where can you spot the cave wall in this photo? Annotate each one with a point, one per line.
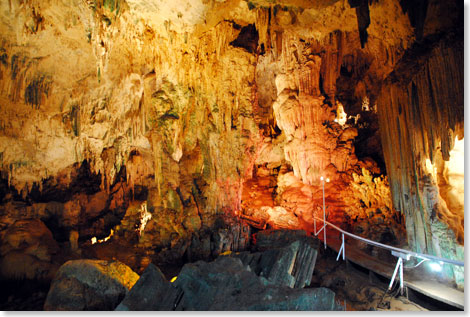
(421, 113)
(152, 101)
(121, 113)
(173, 101)
(101, 84)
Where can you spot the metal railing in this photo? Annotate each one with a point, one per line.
(397, 252)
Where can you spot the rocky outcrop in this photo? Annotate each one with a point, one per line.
(219, 234)
(226, 284)
(266, 280)
(27, 249)
(90, 285)
(151, 292)
(284, 263)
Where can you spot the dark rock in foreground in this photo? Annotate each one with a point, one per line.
(273, 238)
(226, 284)
(242, 281)
(151, 292)
(288, 263)
(90, 285)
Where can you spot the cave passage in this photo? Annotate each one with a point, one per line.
(181, 155)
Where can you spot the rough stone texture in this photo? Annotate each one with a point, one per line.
(430, 100)
(269, 239)
(186, 105)
(27, 249)
(221, 234)
(226, 284)
(90, 285)
(284, 263)
(151, 292)
(147, 109)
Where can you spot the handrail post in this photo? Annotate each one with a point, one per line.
(344, 248)
(341, 249)
(401, 277)
(399, 266)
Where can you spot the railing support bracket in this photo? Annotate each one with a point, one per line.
(342, 249)
(398, 268)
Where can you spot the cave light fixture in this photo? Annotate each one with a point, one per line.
(436, 266)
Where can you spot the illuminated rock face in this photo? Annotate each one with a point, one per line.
(90, 285)
(421, 120)
(233, 107)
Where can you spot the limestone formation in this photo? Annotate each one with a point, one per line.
(134, 124)
(431, 100)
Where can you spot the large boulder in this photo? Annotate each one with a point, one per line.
(288, 266)
(284, 257)
(26, 249)
(226, 284)
(272, 238)
(151, 292)
(90, 285)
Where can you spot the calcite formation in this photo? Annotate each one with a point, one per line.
(155, 118)
(431, 100)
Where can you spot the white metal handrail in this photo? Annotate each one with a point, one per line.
(384, 246)
(397, 252)
(400, 253)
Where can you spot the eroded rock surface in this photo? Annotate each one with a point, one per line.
(27, 249)
(90, 285)
(228, 285)
(151, 292)
(147, 117)
(291, 265)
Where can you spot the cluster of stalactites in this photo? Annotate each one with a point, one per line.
(419, 120)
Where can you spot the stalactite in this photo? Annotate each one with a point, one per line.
(420, 112)
(262, 25)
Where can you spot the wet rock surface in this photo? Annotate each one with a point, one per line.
(90, 285)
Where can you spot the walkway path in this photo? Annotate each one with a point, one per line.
(383, 263)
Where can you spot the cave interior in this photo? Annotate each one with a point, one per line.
(157, 141)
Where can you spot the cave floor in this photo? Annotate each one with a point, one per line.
(381, 262)
(360, 281)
